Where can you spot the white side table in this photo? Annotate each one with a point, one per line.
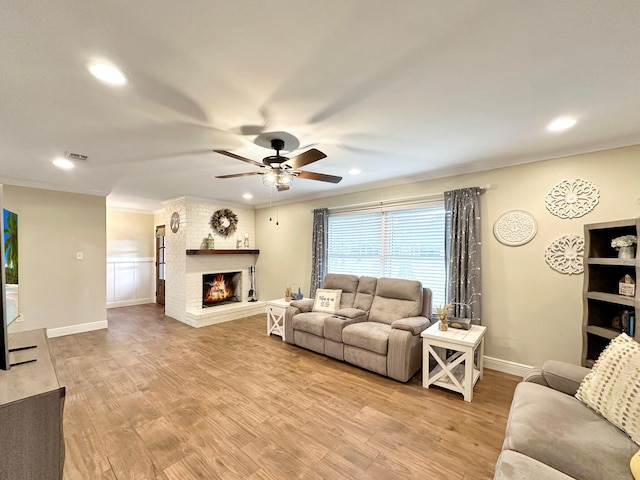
(275, 316)
(460, 370)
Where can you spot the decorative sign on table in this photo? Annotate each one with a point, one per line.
(515, 227)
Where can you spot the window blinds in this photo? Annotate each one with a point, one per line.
(394, 242)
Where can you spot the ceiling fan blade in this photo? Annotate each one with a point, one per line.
(235, 175)
(319, 176)
(305, 158)
(238, 157)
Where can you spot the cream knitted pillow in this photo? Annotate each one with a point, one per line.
(612, 387)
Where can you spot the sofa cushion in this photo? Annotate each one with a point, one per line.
(612, 388)
(333, 326)
(370, 336)
(515, 466)
(352, 313)
(347, 283)
(365, 293)
(326, 300)
(311, 322)
(396, 299)
(560, 431)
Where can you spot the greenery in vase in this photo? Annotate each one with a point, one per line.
(444, 312)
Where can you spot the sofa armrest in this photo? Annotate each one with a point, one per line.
(562, 376)
(534, 375)
(352, 314)
(415, 325)
(305, 305)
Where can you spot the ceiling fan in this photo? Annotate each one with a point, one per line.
(279, 171)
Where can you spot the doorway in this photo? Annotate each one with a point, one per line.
(161, 258)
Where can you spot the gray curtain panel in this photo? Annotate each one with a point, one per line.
(462, 252)
(319, 243)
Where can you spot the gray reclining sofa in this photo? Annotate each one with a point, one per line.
(377, 326)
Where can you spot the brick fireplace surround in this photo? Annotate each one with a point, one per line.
(183, 299)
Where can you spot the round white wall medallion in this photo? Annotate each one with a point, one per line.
(572, 198)
(565, 254)
(515, 227)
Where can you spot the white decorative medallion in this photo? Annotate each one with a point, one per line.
(515, 227)
(565, 254)
(572, 198)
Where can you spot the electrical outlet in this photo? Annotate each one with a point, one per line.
(79, 255)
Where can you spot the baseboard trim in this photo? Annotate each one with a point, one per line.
(505, 366)
(79, 328)
(131, 303)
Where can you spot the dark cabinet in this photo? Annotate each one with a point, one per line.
(31, 409)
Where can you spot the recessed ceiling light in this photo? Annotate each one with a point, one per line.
(63, 163)
(107, 73)
(247, 196)
(561, 123)
(354, 171)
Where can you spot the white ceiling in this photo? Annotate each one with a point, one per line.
(403, 90)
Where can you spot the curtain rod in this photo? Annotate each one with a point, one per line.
(399, 201)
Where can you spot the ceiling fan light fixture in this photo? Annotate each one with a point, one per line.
(269, 178)
(278, 171)
(285, 178)
(277, 178)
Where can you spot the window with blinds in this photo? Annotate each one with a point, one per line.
(397, 242)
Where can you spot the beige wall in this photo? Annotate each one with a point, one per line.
(130, 235)
(532, 312)
(56, 289)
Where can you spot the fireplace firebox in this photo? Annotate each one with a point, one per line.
(221, 288)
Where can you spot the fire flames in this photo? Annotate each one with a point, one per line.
(218, 290)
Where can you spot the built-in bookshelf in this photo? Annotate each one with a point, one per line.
(607, 312)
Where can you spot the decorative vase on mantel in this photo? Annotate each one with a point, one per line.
(209, 242)
(627, 252)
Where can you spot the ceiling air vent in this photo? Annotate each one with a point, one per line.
(76, 156)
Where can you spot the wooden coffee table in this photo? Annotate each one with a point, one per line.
(459, 355)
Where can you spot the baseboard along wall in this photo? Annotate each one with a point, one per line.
(80, 328)
(505, 366)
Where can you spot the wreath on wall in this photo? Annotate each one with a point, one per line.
(224, 222)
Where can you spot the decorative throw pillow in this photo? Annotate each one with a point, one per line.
(612, 387)
(327, 300)
(635, 466)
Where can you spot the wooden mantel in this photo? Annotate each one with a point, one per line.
(208, 251)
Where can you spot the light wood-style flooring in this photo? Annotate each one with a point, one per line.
(152, 398)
